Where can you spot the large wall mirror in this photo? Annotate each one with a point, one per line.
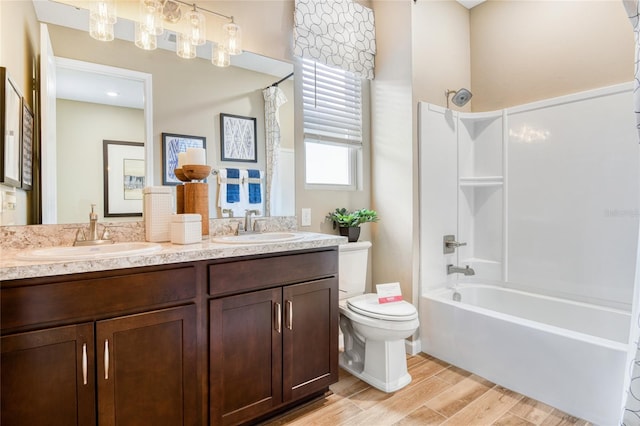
(187, 98)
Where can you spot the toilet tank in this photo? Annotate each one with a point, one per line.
(352, 272)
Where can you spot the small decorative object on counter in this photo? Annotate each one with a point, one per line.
(157, 211)
(186, 228)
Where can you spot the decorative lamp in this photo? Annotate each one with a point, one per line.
(232, 38)
(197, 27)
(104, 11)
(220, 55)
(101, 30)
(184, 48)
(144, 39)
(151, 16)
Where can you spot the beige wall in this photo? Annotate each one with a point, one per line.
(188, 95)
(81, 129)
(19, 47)
(524, 51)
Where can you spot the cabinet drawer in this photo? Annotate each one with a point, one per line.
(243, 275)
(73, 298)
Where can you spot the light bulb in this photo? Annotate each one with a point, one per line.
(151, 16)
(196, 27)
(144, 39)
(184, 48)
(103, 10)
(220, 55)
(232, 38)
(101, 30)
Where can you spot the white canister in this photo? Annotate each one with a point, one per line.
(186, 228)
(157, 210)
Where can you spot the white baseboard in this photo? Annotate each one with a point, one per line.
(412, 347)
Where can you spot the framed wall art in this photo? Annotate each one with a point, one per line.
(172, 145)
(238, 138)
(123, 178)
(10, 127)
(26, 139)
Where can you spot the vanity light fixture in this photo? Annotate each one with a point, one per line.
(152, 15)
(232, 38)
(220, 55)
(184, 48)
(102, 17)
(144, 39)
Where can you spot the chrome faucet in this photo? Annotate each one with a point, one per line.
(451, 269)
(247, 219)
(92, 239)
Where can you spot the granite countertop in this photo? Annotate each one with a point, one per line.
(12, 268)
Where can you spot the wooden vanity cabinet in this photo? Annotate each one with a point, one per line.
(276, 342)
(129, 361)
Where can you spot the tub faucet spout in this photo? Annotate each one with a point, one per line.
(452, 269)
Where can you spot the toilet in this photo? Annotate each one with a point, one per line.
(373, 333)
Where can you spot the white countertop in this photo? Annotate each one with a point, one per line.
(12, 268)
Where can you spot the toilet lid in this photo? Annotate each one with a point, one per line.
(368, 305)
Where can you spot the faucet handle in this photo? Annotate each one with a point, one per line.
(449, 244)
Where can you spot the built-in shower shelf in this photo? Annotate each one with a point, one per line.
(478, 260)
(476, 181)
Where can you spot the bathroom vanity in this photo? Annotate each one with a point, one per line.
(226, 335)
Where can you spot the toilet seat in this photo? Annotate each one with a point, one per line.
(368, 305)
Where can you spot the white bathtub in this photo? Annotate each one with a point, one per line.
(569, 355)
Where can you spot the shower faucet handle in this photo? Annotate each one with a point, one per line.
(449, 244)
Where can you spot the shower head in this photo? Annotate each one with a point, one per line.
(460, 97)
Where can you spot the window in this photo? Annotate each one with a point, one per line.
(332, 111)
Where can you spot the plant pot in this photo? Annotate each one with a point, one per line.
(351, 232)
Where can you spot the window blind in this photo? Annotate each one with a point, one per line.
(332, 104)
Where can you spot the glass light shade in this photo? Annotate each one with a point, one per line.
(100, 29)
(220, 55)
(144, 39)
(196, 27)
(151, 16)
(103, 10)
(184, 48)
(232, 38)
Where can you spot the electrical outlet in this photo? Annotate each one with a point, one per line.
(305, 217)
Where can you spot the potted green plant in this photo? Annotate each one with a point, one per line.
(349, 221)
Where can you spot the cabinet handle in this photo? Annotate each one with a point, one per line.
(278, 317)
(289, 308)
(84, 363)
(106, 359)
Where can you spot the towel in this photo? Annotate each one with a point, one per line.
(255, 191)
(233, 186)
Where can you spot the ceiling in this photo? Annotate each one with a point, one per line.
(86, 86)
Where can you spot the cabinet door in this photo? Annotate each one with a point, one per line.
(310, 337)
(146, 366)
(47, 377)
(245, 355)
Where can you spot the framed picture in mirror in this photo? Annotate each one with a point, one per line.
(10, 127)
(238, 138)
(123, 178)
(172, 145)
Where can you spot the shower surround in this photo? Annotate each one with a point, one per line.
(546, 196)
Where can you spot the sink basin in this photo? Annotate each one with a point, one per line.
(264, 238)
(89, 252)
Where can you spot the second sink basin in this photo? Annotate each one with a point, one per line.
(267, 237)
(89, 252)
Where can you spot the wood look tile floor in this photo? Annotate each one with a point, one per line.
(439, 394)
